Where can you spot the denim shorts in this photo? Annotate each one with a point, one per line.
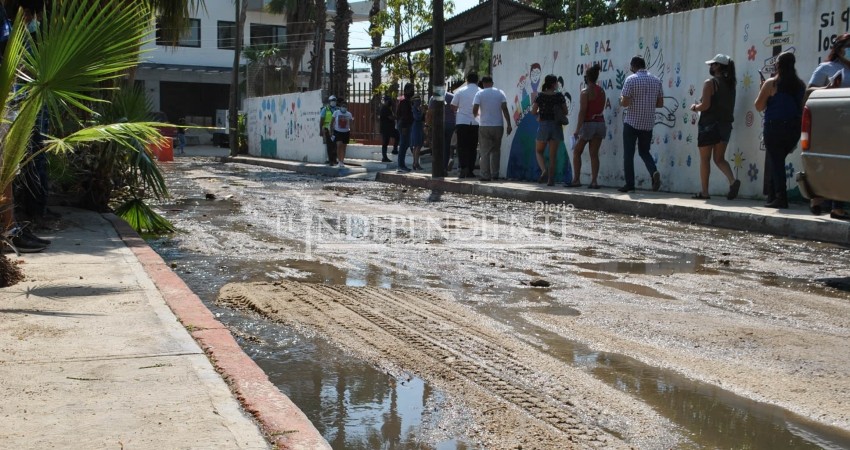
(591, 130)
(548, 130)
(714, 133)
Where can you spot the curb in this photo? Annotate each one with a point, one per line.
(809, 228)
(294, 166)
(282, 422)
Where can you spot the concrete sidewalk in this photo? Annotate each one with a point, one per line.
(98, 350)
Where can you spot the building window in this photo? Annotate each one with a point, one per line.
(226, 35)
(191, 37)
(262, 35)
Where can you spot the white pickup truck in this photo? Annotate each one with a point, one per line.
(825, 144)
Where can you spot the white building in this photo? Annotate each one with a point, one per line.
(192, 80)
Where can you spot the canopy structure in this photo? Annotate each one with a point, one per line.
(476, 24)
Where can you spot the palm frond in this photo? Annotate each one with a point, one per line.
(142, 218)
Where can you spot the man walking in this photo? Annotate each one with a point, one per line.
(490, 105)
(641, 94)
(466, 125)
(325, 118)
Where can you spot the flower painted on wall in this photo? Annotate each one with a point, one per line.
(751, 53)
(753, 173)
(689, 161)
(747, 80)
(789, 170)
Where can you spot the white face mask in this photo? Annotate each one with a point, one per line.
(333, 102)
(342, 108)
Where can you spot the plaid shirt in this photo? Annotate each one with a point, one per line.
(644, 89)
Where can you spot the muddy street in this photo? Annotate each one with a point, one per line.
(402, 318)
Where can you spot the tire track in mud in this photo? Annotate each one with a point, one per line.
(519, 397)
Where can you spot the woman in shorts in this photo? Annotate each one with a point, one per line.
(549, 133)
(590, 127)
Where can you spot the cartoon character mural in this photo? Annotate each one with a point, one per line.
(522, 161)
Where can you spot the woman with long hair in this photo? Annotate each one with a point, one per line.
(781, 99)
(549, 132)
(716, 108)
(590, 126)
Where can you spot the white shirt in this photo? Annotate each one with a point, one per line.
(342, 121)
(489, 103)
(463, 100)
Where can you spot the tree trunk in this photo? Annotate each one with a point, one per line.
(241, 14)
(342, 24)
(377, 66)
(317, 69)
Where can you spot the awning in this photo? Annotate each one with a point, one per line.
(476, 24)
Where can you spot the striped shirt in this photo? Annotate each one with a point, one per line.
(644, 90)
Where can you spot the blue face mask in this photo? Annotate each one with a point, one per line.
(846, 52)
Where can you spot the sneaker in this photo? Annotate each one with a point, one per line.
(627, 188)
(656, 181)
(386, 160)
(340, 166)
(28, 234)
(394, 152)
(24, 245)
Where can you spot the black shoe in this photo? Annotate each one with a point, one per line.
(394, 152)
(777, 203)
(627, 188)
(385, 159)
(733, 190)
(24, 245)
(28, 234)
(656, 181)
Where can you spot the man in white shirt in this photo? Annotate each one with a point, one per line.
(490, 105)
(466, 125)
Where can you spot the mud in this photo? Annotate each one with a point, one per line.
(750, 325)
(518, 396)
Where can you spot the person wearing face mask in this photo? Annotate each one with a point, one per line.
(836, 62)
(716, 108)
(590, 126)
(342, 131)
(325, 119)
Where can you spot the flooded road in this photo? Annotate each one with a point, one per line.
(651, 334)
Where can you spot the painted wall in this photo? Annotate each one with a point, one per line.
(286, 127)
(675, 47)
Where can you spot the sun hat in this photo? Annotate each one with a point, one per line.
(720, 58)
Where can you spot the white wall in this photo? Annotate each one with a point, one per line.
(676, 47)
(286, 127)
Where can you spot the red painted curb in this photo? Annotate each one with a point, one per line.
(283, 423)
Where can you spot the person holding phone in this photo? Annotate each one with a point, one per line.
(716, 108)
(827, 75)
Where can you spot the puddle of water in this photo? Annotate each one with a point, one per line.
(633, 288)
(710, 416)
(689, 263)
(597, 276)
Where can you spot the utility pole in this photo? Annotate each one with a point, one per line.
(438, 168)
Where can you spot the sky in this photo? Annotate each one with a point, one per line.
(359, 35)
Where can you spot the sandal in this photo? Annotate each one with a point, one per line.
(543, 177)
(573, 185)
(593, 186)
(699, 196)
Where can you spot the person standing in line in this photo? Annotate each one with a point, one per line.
(549, 133)
(467, 125)
(181, 136)
(417, 131)
(781, 99)
(448, 125)
(326, 117)
(642, 93)
(404, 114)
(716, 108)
(837, 60)
(590, 127)
(491, 105)
(342, 131)
(387, 124)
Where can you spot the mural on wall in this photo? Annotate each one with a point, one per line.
(675, 48)
(286, 127)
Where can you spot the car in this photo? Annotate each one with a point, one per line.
(825, 144)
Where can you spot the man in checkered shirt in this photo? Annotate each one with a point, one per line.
(641, 94)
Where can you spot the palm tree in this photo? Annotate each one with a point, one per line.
(342, 24)
(82, 46)
(301, 22)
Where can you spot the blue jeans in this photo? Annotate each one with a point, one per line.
(643, 138)
(404, 144)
